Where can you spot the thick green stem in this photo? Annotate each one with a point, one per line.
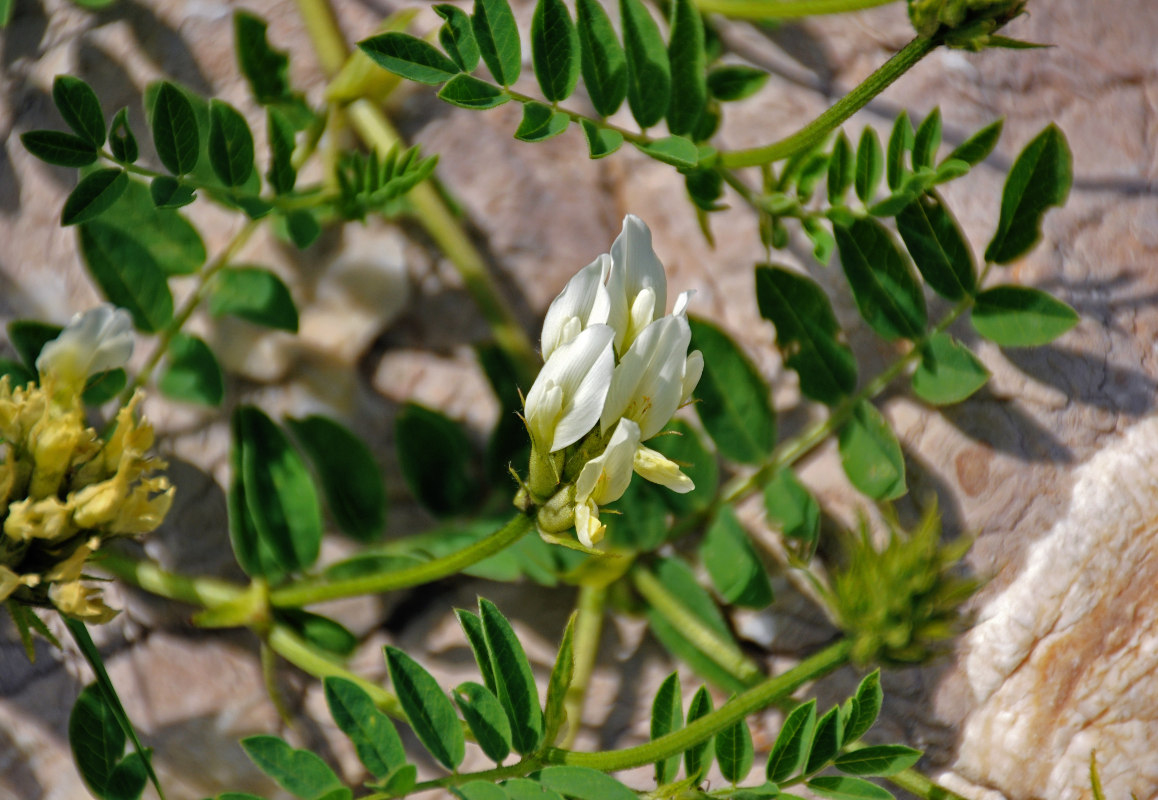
(691, 627)
(329, 43)
(758, 697)
(302, 655)
(588, 629)
(815, 131)
(784, 9)
(308, 593)
(206, 592)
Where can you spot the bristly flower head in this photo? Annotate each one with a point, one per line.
(616, 370)
(64, 490)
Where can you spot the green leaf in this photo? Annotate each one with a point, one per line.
(168, 192)
(457, 36)
(667, 716)
(303, 228)
(192, 374)
(674, 150)
(498, 39)
(735, 82)
(472, 627)
(230, 144)
(121, 139)
(791, 507)
(479, 790)
(840, 787)
(601, 142)
(734, 752)
(514, 679)
(57, 147)
(555, 712)
(264, 67)
(698, 757)
(871, 455)
(282, 174)
(254, 294)
(127, 274)
(1018, 316)
(601, 59)
(689, 87)
(900, 143)
(300, 772)
(948, 372)
(488, 722)
(584, 783)
(807, 334)
(733, 564)
(348, 473)
(169, 238)
(370, 731)
(94, 195)
(640, 521)
(430, 712)
(792, 743)
(841, 169)
(869, 165)
(977, 147)
(279, 494)
(410, 57)
(29, 337)
(81, 109)
(175, 132)
(927, 140)
(128, 779)
(525, 789)
(826, 740)
(680, 582)
(104, 386)
(321, 632)
(96, 738)
(681, 443)
(648, 68)
(467, 91)
(884, 759)
(554, 49)
(938, 247)
(733, 400)
(541, 122)
(401, 781)
(18, 375)
(1040, 178)
(887, 293)
(869, 699)
(253, 553)
(436, 460)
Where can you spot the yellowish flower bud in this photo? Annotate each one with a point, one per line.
(141, 512)
(98, 504)
(81, 602)
(47, 518)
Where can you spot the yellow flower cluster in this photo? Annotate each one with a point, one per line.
(64, 490)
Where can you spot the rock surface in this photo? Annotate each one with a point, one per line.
(1052, 465)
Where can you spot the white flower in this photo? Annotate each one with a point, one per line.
(572, 311)
(565, 401)
(94, 341)
(603, 480)
(658, 468)
(636, 285)
(655, 376)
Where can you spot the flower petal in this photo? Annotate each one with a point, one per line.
(658, 468)
(94, 341)
(575, 302)
(693, 371)
(581, 369)
(648, 381)
(605, 478)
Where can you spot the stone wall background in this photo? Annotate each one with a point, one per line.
(1052, 466)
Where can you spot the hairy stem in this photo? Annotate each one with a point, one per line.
(706, 640)
(588, 628)
(815, 131)
(308, 593)
(761, 696)
(784, 9)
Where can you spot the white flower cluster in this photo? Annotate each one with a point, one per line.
(616, 370)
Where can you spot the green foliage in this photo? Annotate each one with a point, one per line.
(734, 403)
(540, 122)
(792, 508)
(254, 294)
(81, 109)
(176, 134)
(938, 247)
(488, 722)
(559, 684)
(1018, 316)
(667, 716)
(435, 456)
(733, 564)
(689, 85)
(374, 183)
(735, 81)
(410, 57)
(467, 91)
(601, 142)
(734, 751)
(429, 711)
(122, 142)
(370, 731)
(584, 783)
(192, 374)
(698, 757)
(127, 273)
(457, 37)
(791, 747)
(927, 140)
(887, 293)
(300, 772)
(648, 68)
(98, 747)
(513, 679)
(1040, 178)
(94, 195)
(683, 444)
(602, 60)
(554, 49)
(498, 39)
(871, 455)
(230, 144)
(948, 372)
(57, 147)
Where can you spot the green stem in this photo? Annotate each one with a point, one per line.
(588, 629)
(758, 697)
(308, 593)
(305, 657)
(516, 770)
(815, 131)
(182, 316)
(691, 627)
(329, 43)
(784, 9)
(205, 592)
